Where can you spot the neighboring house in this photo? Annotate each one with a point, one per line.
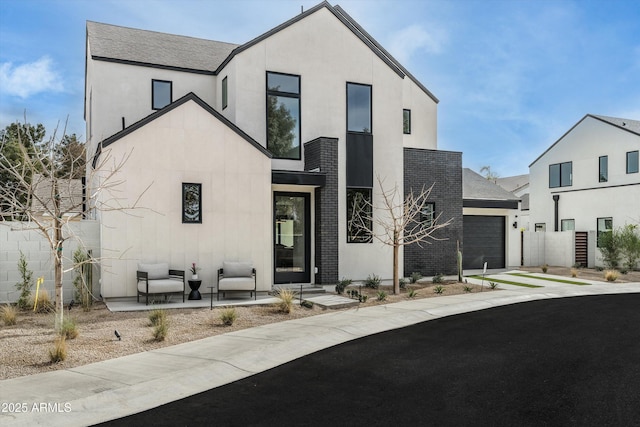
(491, 223)
(587, 182)
(260, 151)
(71, 192)
(518, 185)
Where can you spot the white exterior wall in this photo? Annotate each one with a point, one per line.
(188, 144)
(512, 235)
(15, 237)
(587, 199)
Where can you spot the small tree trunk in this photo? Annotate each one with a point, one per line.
(59, 301)
(396, 281)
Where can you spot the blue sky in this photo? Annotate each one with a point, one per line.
(512, 76)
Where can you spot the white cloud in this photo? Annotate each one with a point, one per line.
(30, 78)
(404, 43)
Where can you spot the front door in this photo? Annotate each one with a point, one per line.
(292, 237)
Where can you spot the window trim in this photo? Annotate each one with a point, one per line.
(424, 215)
(363, 239)
(406, 130)
(370, 107)
(540, 227)
(297, 96)
(225, 93)
(186, 220)
(153, 93)
(561, 183)
(603, 177)
(637, 161)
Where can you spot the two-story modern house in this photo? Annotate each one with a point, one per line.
(587, 182)
(261, 151)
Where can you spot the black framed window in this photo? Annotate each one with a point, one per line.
(605, 225)
(632, 161)
(561, 175)
(225, 94)
(406, 121)
(428, 214)
(283, 115)
(540, 226)
(358, 108)
(359, 223)
(191, 203)
(603, 168)
(161, 93)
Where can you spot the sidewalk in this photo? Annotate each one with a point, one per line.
(114, 388)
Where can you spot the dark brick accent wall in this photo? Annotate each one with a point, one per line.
(322, 153)
(444, 168)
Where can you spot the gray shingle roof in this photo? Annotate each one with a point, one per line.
(70, 190)
(476, 186)
(513, 183)
(122, 44)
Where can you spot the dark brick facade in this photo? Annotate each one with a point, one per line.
(444, 168)
(322, 154)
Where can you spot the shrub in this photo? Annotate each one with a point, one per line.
(611, 275)
(372, 281)
(25, 285)
(43, 303)
(402, 282)
(599, 268)
(9, 314)
(381, 295)
(624, 271)
(68, 329)
(59, 351)
(161, 329)
(574, 272)
(228, 316)
(629, 240)
(157, 316)
(609, 245)
(493, 285)
(412, 293)
(415, 276)
(467, 288)
(341, 286)
(363, 298)
(438, 289)
(82, 279)
(286, 297)
(438, 278)
(544, 268)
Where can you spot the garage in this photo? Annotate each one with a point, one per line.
(484, 241)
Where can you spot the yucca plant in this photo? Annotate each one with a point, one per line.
(467, 288)
(438, 289)
(412, 293)
(381, 295)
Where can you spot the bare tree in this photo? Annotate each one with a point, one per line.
(44, 198)
(401, 221)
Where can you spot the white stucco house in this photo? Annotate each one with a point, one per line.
(585, 183)
(259, 151)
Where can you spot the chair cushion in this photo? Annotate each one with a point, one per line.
(159, 286)
(237, 269)
(155, 271)
(236, 284)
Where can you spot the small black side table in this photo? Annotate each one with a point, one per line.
(195, 285)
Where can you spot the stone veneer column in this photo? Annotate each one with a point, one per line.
(444, 168)
(322, 154)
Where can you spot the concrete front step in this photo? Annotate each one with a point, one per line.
(305, 289)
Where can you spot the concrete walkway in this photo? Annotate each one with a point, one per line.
(115, 388)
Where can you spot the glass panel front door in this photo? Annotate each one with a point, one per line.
(291, 238)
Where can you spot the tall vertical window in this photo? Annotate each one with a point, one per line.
(560, 175)
(605, 225)
(603, 169)
(359, 223)
(225, 94)
(632, 161)
(191, 203)
(358, 108)
(406, 121)
(160, 94)
(428, 214)
(283, 115)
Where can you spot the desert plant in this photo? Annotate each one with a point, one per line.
(157, 316)
(403, 283)
(363, 298)
(82, 279)
(415, 276)
(372, 281)
(42, 302)
(599, 268)
(228, 316)
(609, 246)
(574, 272)
(611, 275)
(412, 293)
(544, 268)
(286, 297)
(493, 285)
(341, 286)
(467, 288)
(306, 304)
(69, 328)
(624, 271)
(438, 289)
(26, 282)
(9, 314)
(161, 329)
(629, 240)
(438, 278)
(381, 295)
(59, 351)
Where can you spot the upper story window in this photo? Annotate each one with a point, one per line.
(283, 115)
(160, 94)
(225, 93)
(358, 108)
(406, 121)
(560, 175)
(632, 161)
(428, 214)
(603, 169)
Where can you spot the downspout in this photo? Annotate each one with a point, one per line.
(556, 198)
